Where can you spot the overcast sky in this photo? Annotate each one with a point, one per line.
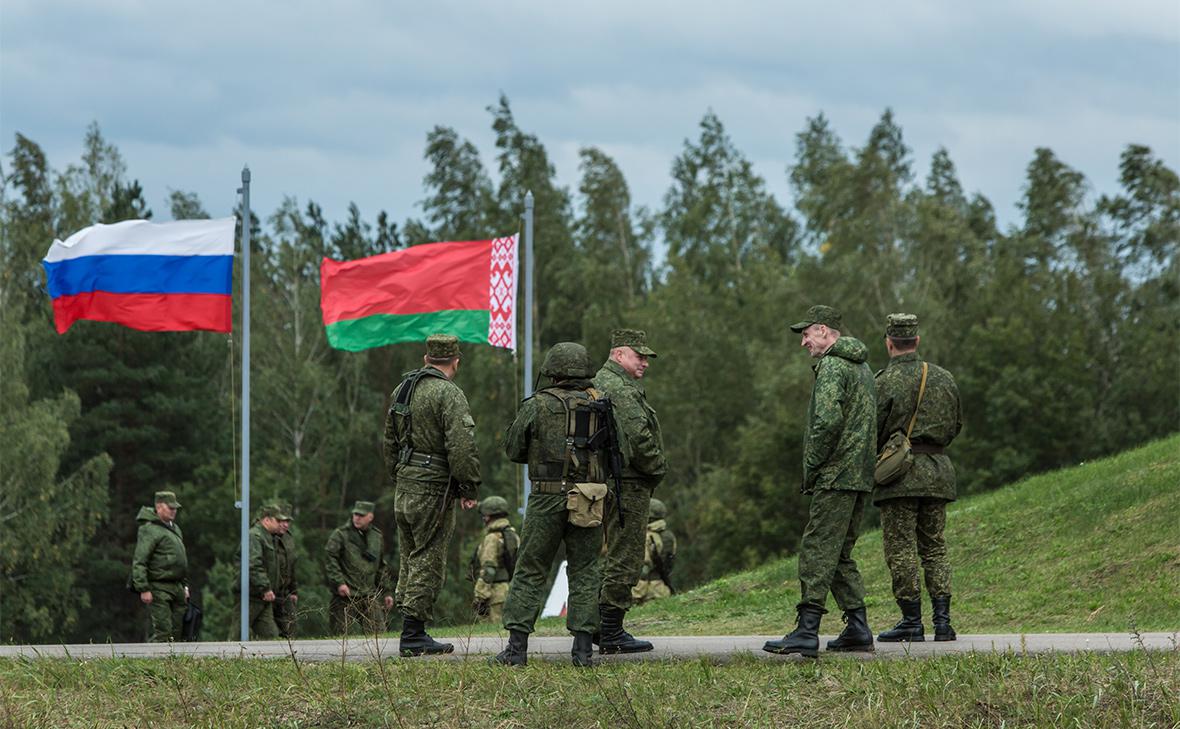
(331, 101)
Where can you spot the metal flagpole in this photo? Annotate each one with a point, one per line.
(244, 504)
(528, 317)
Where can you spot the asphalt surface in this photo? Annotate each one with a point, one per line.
(666, 647)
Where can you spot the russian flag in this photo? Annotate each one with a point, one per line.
(155, 277)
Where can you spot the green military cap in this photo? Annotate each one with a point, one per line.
(634, 338)
(820, 314)
(167, 497)
(283, 510)
(656, 510)
(901, 326)
(442, 346)
(269, 510)
(363, 507)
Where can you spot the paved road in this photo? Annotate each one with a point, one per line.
(667, 647)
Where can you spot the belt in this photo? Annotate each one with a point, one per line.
(926, 448)
(428, 460)
(549, 487)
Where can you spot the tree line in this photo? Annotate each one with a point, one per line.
(1061, 330)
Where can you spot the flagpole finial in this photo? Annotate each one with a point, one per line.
(528, 200)
(246, 173)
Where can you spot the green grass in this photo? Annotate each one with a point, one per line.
(1136, 689)
(1094, 548)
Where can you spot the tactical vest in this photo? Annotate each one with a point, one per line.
(403, 421)
(575, 458)
(509, 546)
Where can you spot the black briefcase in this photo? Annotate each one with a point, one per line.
(191, 630)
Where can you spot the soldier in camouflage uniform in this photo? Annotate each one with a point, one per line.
(286, 590)
(838, 458)
(494, 560)
(159, 568)
(264, 574)
(554, 433)
(620, 380)
(913, 508)
(432, 459)
(354, 563)
(659, 553)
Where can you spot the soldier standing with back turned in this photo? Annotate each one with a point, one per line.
(432, 459)
(913, 508)
(659, 554)
(621, 380)
(494, 560)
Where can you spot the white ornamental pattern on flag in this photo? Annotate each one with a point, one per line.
(502, 294)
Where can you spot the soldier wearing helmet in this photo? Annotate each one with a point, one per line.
(555, 434)
(659, 552)
(494, 560)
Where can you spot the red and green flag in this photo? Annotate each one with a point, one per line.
(466, 288)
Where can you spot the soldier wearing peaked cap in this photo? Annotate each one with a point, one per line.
(922, 400)
(354, 563)
(264, 574)
(287, 589)
(621, 379)
(433, 461)
(159, 568)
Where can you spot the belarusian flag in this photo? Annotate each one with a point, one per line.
(467, 289)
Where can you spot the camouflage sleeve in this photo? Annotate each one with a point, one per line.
(516, 440)
(462, 452)
(389, 445)
(639, 429)
(827, 420)
(145, 544)
(958, 409)
(489, 561)
(332, 554)
(884, 409)
(259, 580)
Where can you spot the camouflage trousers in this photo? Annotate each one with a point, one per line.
(825, 554)
(425, 523)
(363, 614)
(546, 528)
(912, 530)
(285, 615)
(166, 613)
(623, 563)
(262, 620)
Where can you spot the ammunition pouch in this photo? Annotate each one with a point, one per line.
(586, 503)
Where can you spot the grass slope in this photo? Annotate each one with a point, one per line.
(1094, 547)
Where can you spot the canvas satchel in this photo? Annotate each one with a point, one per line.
(586, 504)
(896, 457)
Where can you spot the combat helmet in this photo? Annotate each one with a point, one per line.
(566, 361)
(493, 506)
(656, 510)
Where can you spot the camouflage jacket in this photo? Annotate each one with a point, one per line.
(940, 418)
(538, 436)
(159, 553)
(489, 561)
(839, 444)
(642, 442)
(659, 550)
(356, 559)
(285, 549)
(264, 562)
(441, 426)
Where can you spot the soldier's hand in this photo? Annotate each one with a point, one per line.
(146, 597)
(293, 597)
(481, 607)
(469, 503)
(186, 593)
(268, 596)
(343, 591)
(388, 602)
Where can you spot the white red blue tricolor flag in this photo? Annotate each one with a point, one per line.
(155, 277)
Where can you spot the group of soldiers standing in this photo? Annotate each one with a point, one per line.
(594, 451)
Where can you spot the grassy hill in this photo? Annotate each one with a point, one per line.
(1095, 547)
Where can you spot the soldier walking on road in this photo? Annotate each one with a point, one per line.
(432, 459)
(838, 458)
(558, 433)
(354, 563)
(913, 507)
(494, 560)
(659, 553)
(159, 568)
(264, 574)
(621, 380)
(287, 590)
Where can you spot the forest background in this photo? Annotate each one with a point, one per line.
(1062, 331)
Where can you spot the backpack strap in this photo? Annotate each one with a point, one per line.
(401, 406)
(921, 392)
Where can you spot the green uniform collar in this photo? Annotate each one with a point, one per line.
(907, 357)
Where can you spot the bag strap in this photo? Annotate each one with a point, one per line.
(921, 392)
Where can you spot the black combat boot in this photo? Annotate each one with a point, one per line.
(804, 639)
(517, 652)
(611, 636)
(910, 627)
(583, 651)
(856, 635)
(941, 608)
(415, 641)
